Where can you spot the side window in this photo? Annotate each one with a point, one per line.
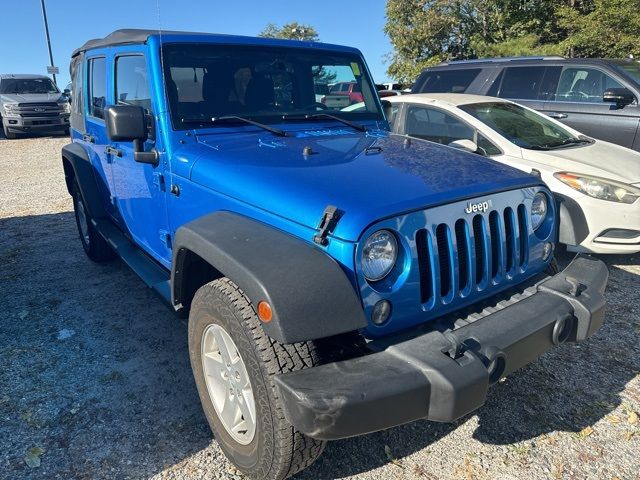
(580, 84)
(449, 81)
(436, 126)
(392, 113)
(97, 87)
(132, 85)
(521, 83)
(489, 148)
(76, 118)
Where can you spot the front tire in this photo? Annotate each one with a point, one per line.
(96, 247)
(222, 317)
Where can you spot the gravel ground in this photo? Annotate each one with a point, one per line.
(95, 379)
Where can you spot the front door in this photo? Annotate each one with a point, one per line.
(578, 103)
(140, 187)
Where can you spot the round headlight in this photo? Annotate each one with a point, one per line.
(379, 255)
(538, 210)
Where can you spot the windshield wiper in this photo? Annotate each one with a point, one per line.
(314, 116)
(234, 119)
(568, 141)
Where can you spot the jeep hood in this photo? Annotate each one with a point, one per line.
(368, 177)
(31, 97)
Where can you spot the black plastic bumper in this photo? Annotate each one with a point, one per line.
(443, 376)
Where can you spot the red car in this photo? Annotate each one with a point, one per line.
(352, 89)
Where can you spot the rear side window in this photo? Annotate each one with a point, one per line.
(448, 81)
(520, 83)
(436, 126)
(97, 87)
(132, 86)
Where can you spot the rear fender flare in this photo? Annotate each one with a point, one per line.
(77, 166)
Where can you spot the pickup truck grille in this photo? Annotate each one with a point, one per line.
(45, 109)
(471, 253)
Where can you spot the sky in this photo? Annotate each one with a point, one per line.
(23, 47)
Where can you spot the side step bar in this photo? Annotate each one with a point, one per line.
(151, 273)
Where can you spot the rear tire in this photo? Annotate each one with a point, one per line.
(275, 450)
(96, 247)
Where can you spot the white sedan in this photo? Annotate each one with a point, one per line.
(597, 183)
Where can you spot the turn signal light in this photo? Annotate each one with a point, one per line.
(264, 311)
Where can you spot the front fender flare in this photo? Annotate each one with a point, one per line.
(310, 295)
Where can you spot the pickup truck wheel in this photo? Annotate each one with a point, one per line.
(96, 247)
(234, 364)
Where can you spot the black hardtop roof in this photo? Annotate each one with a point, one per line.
(528, 60)
(131, 36)
(125, 36)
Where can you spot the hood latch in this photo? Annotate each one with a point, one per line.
(327, 224)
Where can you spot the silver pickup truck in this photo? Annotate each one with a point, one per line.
(32, 103)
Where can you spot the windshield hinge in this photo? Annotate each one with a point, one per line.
(327, 224)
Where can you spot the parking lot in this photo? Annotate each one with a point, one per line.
(95, 379)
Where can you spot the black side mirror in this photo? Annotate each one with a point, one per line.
(128, 123)
(620, 96)
(67, 92)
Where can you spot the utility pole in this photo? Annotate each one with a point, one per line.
(46, 29)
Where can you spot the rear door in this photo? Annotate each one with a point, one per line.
(94, 138)
(577, 101)
(527, 85)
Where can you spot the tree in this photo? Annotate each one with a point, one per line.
(425, 32)
(290, 31)
(611, 28)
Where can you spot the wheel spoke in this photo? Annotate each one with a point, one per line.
(246, 408)
(230, 411)
(223, 348)
(214, 365)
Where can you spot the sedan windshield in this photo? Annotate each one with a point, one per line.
(206, 83)
(28, 85)
(522, 127)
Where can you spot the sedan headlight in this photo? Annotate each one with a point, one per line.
(538, 210)
(379, 255)
(601, 188)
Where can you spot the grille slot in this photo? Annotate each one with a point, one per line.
(496, 240)
(524, 235)
(479, 240)
(510, 239)
(444, 258)
(463, 246)
(425, 265)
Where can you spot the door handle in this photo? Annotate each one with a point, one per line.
(88, 138)
(110, 150)
(557, 115)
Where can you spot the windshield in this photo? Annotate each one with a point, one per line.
(265, 84)
(520, 126)
(632, 69)
(28, 85)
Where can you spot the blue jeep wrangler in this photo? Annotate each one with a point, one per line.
(338, 279)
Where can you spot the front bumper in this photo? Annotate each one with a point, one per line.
(443, 375)
(19, 124)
